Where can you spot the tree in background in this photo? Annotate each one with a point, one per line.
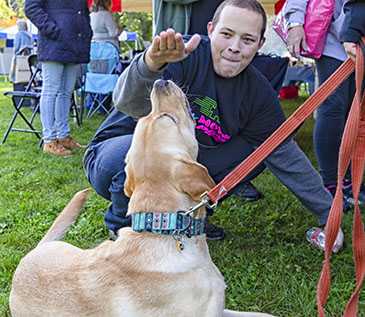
(140, 22)
(8, 15)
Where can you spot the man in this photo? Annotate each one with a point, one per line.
(235, 109)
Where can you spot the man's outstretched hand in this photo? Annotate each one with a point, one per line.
(169, 47)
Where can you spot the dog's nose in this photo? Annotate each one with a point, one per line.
(160, 83)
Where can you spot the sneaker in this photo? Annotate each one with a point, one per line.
(317, 237)
(55, 148)
(248, 192)
(113, 235)
(70, 143)
(346, 205)
(212, 232)
(348, 193)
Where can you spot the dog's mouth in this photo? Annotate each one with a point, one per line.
(165, 114)
(168, 87)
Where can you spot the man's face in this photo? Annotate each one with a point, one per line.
(235, 40)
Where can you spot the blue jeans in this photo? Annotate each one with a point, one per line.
(104, 166)
(58, 84)
(330, 123)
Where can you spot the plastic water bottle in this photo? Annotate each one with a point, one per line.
(316, 237)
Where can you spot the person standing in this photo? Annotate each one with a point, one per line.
(23, 43)
(64, 36)
(333, 112)
(353, 27)
(104, 28)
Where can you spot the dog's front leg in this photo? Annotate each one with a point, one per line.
(216, 303)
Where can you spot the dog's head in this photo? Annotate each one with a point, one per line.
(161, 162)
(169, 100)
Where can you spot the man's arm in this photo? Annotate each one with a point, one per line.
(291, 166)
(131, 94)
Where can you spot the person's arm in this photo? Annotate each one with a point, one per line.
(111, 25)
(353, 27)
(16, 43)
(291, 166)
(34, 10)
(295, 11)
(131, 94)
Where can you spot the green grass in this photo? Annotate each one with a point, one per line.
(267, 264)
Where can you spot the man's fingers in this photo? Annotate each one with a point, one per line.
(155, 44)
(163, 41)
(170, 39)
(192, 44)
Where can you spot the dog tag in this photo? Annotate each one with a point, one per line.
(179, 244)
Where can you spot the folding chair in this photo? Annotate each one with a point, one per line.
(31, 92)
(100, 78)
(76, 107)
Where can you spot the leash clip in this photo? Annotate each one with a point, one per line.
(205, 201)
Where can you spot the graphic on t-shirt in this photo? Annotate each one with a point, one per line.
(209, 122)
(207, 106)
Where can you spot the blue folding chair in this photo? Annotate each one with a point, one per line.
(31, 92)
(100, 78)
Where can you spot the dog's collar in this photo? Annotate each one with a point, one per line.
(167, 223)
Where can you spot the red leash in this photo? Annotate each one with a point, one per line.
(352, 149)
(288, 127)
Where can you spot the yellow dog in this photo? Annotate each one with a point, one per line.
(159, 267)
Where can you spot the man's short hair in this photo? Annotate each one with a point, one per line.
(252, 5)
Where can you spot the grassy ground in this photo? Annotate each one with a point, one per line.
(267, 264)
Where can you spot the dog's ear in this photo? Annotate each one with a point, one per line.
(193, 178)
(129, 183)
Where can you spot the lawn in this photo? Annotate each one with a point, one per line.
(266, 261)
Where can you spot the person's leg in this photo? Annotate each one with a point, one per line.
(52, 77)
(330, 123)
(222, 159)
(63, 100)
(105, 171)
(52, 81)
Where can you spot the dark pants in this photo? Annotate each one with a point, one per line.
(331, 120)
(104, 166)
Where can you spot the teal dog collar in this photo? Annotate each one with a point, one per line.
(167, 223)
